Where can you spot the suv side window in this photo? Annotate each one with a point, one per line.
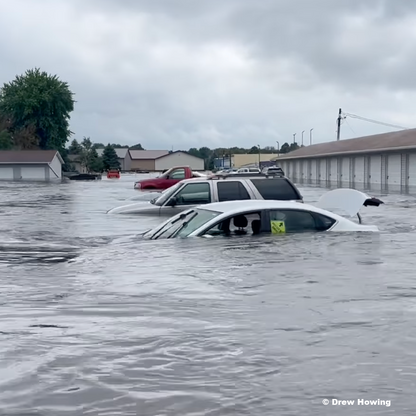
(177, 174)
(231, 191)
(297, 221)
(194, 194)
(276, 188)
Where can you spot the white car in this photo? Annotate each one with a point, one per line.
(268, 217)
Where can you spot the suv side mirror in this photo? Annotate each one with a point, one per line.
(172, 201)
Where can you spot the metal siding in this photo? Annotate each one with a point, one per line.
(295, 170)
(412, 169)
(394, 170)
(6, 173)
(404, 172)
(384, 168)
(352, 172)
(359, 171)
(33, 172)
(375, 170)
(179, 159)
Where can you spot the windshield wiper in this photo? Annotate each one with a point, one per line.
(185, 224)
(181, 217)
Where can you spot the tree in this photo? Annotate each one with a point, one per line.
(110, 158)
(285, 148)
(75, 148)
(6, 141)
(137, 146)
(94, 162)
(42, 102)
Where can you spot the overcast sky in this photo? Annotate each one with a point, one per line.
(192, 73)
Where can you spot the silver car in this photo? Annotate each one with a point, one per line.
(193, 192)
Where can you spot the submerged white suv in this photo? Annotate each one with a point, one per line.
(218, 188)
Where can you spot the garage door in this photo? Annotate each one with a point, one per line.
(33, 173)
(322, 167)
(313, 171)
(394, 171)
(375, 171)
(345, 172)
(6, 173)
(334, 171)
(412, 169)
(359, 171)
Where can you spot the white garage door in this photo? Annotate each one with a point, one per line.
(33, 173)
(334, 170)
(359, 171)
(375, 171)
(322, 166)
(313, 171)
(6, 173)
(394, 170)
(345, 173)
(412, 169)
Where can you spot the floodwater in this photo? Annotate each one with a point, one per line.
(95, 321)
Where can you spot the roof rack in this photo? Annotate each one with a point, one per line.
(247, 175)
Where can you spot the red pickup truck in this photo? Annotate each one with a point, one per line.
(168, 178)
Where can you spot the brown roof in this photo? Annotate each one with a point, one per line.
(28, 156)
(398, 140)
(147, 154)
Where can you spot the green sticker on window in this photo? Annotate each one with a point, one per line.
(278, 227)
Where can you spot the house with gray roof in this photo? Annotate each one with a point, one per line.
(30, 165)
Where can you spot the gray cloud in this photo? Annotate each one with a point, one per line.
(188, 73)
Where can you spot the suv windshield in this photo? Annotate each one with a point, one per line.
(160, 200)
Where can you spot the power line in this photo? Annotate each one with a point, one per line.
(374, 121)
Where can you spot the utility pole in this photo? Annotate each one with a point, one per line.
(294, 138)
(278, 148)
(310, 136)
(339, 123)
(302, 136)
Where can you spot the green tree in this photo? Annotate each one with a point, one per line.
(94, 162)
(75, 148)
(40, 100)
(285, 148)
(6, 141)
(110, 158)
(137, 146)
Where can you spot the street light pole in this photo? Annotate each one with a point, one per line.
(302, 136)
(310, 136)
(294, 138)
(278, 148)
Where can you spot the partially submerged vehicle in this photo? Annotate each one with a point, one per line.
(268, 217)
(217, 188)
(168, 178)
(113, 174)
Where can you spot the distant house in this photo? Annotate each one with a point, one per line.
(159, 160)
(121, 155)
(30, 165)
(76, 164)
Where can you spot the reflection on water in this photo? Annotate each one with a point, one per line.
(96, 321)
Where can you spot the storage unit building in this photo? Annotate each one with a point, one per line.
(30, 165)
(382, 162)
(179, 158)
